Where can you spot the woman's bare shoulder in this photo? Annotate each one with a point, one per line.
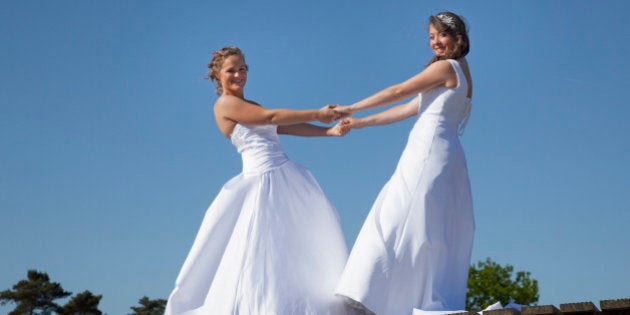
(231, 100)
(224, 100)
(441, 67)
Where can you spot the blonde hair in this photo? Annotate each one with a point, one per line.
(215, 65)
(454, 26)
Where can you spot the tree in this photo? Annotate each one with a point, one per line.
(149, 307)
(84, 303)
(489, 282)
(35, 293)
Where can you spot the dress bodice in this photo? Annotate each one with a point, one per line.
(259, 147)
(448, 106)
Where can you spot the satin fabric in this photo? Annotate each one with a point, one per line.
(270, 243)
(413, 251)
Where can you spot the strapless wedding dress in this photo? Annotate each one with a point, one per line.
(270, 243)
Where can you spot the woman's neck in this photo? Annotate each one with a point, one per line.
(238, 93)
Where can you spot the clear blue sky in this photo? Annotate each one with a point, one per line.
(110, 156)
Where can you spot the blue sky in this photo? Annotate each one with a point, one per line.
(110, 156)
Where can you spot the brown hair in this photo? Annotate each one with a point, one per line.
(215, 65)
(454, 26)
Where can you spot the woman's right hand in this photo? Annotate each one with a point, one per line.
(326, 114)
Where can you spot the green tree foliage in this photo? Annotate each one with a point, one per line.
(489, 282)
(149, 307)
(84, 303)
(34, 294)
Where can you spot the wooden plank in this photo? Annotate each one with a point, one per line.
(620, 304)
(580, 308)
(540, 310)
(503, 311)
(615, 307)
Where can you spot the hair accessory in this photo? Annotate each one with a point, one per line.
(448, 20)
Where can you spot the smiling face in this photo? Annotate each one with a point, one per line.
(448, 36)
(233, 75)
(233, 72)
(440, 41)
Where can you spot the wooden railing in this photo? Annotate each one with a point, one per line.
(607, 307)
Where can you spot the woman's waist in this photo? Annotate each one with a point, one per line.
(437, 125)
(258, 161)
(440, 118)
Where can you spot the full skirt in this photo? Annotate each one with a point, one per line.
(413, 251)
(270, 243)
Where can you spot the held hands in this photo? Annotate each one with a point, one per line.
(353, 123)
(332, 112)
(339, 130)
(342, 111)
(343, 127)
(327, 114)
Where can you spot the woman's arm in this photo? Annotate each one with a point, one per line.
(435, 75)
(309, 130)
(389, 116)
(239, 110)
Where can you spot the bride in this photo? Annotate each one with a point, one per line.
(271, 242)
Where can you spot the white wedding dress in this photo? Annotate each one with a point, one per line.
(270, 243)
(413, 251)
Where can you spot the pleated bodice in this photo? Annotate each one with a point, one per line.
(259, 147)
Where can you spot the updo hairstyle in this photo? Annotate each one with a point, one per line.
(454, 26)
(218, 57)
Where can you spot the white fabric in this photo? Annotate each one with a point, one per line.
(499, 306)
(270, 243)
(414, 248)
(421, 312)
(495, 306)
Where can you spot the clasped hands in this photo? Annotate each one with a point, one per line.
(333, 112)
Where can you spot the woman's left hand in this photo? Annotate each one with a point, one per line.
(342, 111)
(339, 130)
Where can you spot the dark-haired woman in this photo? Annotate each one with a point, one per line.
(271, 242)
(413, 251)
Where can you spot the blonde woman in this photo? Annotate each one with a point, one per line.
(271, 242)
